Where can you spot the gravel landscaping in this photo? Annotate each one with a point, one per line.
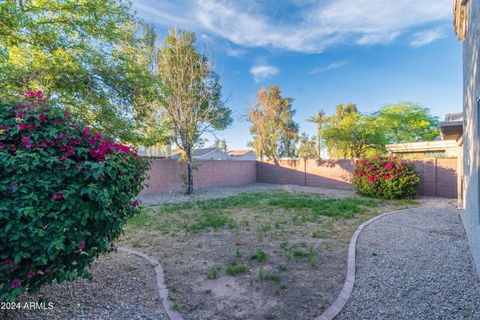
(415, 265)
(123, 287)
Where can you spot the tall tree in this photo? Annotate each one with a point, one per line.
(318, 119)
(83, 54)
(191, 95)
(408, 122)
(307, 149)
(273, 129)
(223, 145)
(354, 136)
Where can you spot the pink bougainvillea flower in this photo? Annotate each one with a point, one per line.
(82, 245)
(135, 203)
(8, 262)
(86, 131)
(42, 117)
(66, 113)
(23, 126)
(63, 158)
(15, 283)
(12, 148)
(30, 274)
(58, 121)
(26, 142)
(390, 165)
(58, 196)
(2, 146)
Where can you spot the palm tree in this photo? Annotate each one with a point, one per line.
(319, 119)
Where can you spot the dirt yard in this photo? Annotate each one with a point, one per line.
(278, 254)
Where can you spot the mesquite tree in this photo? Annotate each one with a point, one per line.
(190, 94)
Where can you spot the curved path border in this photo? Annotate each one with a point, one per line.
(162, 288)
(347, 289)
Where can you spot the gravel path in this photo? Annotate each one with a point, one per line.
(222, 192)
(415, 265)
(123, 287)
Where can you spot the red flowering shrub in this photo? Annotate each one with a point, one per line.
(385, 177)
(65, 193)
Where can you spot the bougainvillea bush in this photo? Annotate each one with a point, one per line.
(65, 193)
(385, 177)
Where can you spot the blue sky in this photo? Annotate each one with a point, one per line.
(322, 53)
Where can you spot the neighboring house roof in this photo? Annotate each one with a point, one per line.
(206, 153)
(452, 127)
(242, 155)
(238, 152)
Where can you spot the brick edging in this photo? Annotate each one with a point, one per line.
(162, 288)
(347, 289)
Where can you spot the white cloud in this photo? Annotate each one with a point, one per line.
(262, 72)
(317, 24)
(428, 36)
(331, 66)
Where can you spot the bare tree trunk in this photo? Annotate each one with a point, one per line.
(189, 171)
(319, 147)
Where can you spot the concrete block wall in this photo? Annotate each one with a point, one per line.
(438, 176)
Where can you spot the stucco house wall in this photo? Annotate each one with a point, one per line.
(471, 151)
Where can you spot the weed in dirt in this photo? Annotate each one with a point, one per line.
(213, 272)
(261, 273)
(312, 260)
(284, 245)
(328, 245)
(299, 254)
(259, 255)
(283, 286)
(316, 234)
(282, 267)
(234, 268)
(238, 254)
(265, 228)
(272, 277)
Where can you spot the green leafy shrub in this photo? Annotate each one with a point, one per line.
(65, 192)
(385, 177)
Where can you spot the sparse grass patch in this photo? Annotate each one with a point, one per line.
(259, 255)
(234, 268)
(213, 272)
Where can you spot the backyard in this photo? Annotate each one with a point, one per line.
(266, 253)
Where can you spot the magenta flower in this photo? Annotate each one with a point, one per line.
(135, 203)
(66, 113)
(15, 283)
(30, 274)
(58, 196)
(390, 165)
(82, 245)
(42, 117)
(26, 142)
(8, 262)
(2, 146)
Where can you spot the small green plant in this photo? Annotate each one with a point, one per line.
(261, 273)
(259, 255)
(234, 268)
(299, 254)
(272, 277)
(311, 256)
(282, 267)
(213, 272)
(316, 234)
(283, 286)
(238, 254)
